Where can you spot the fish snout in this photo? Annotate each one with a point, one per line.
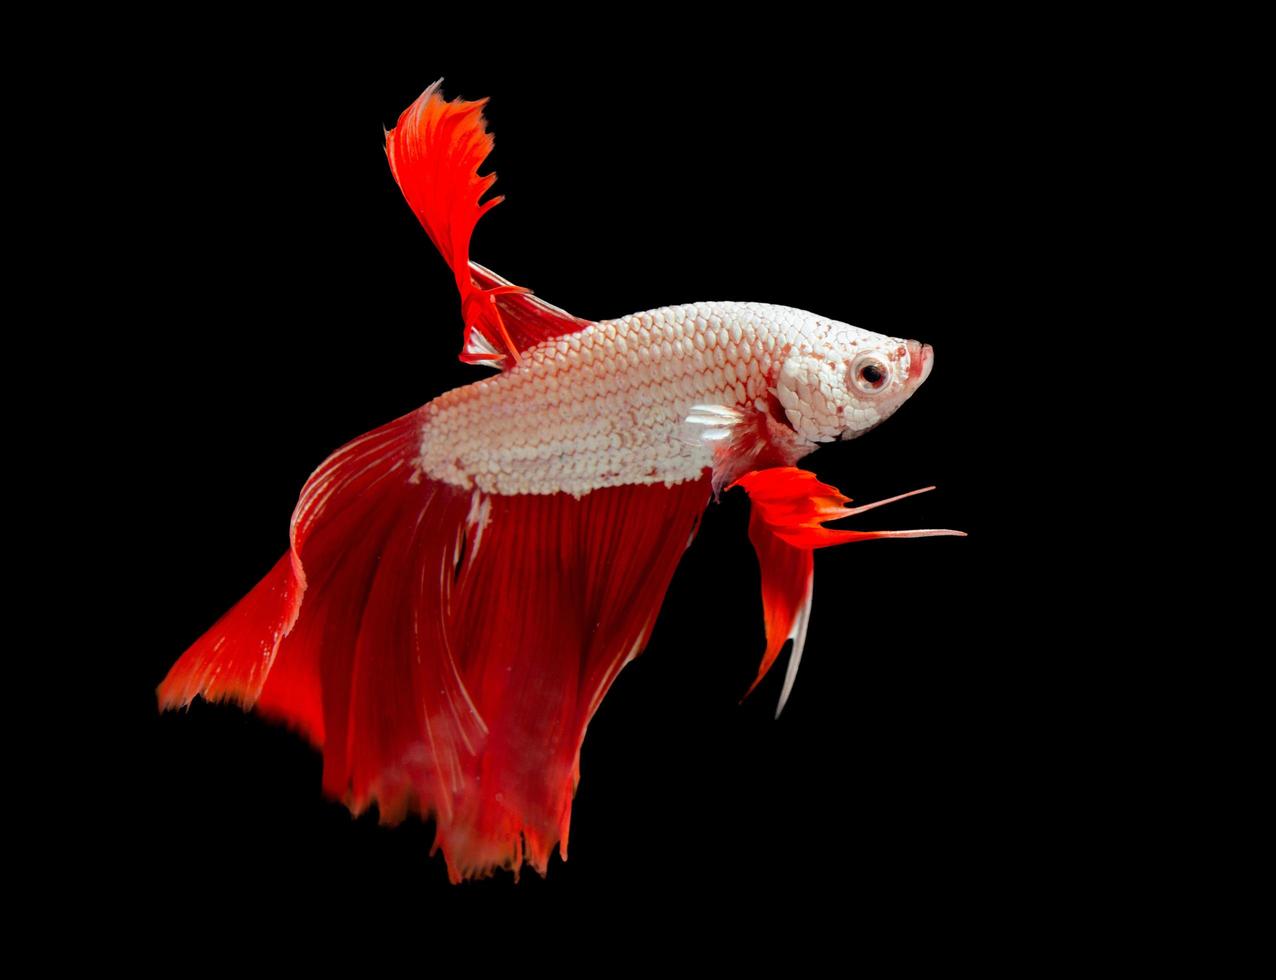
(921, 358)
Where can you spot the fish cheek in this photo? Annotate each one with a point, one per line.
(860, 418)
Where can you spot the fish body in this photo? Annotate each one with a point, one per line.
(464, 584)
(609, 405)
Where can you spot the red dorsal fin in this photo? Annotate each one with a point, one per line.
(528, 319)
(790, 507)
(435, 152)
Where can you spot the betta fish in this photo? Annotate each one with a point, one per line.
(464, 584)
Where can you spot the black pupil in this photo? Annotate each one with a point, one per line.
(872, 374)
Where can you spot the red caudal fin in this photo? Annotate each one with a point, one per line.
(233, 659)
(786, 524)
(435, 152)
(446, 648)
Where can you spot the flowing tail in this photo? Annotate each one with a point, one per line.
(446, 648)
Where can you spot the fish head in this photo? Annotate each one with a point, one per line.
(844, 381)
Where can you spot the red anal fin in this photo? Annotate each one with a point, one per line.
(556, 595)
(435, 151)
(786, 525)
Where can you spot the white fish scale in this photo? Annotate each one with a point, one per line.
(607, 406)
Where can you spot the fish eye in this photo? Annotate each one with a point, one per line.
(870, 373)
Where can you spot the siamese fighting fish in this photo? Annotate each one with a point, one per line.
(464, 584)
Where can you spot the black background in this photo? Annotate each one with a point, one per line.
(286, 300)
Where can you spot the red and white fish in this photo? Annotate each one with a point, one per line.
(464, 584)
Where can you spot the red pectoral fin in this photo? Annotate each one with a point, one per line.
(435, 151)
(790, 507)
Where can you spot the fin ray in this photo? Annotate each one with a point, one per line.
(452, 645)
(435, 151)
(786, 525)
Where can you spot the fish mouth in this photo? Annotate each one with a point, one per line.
(921, 358)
